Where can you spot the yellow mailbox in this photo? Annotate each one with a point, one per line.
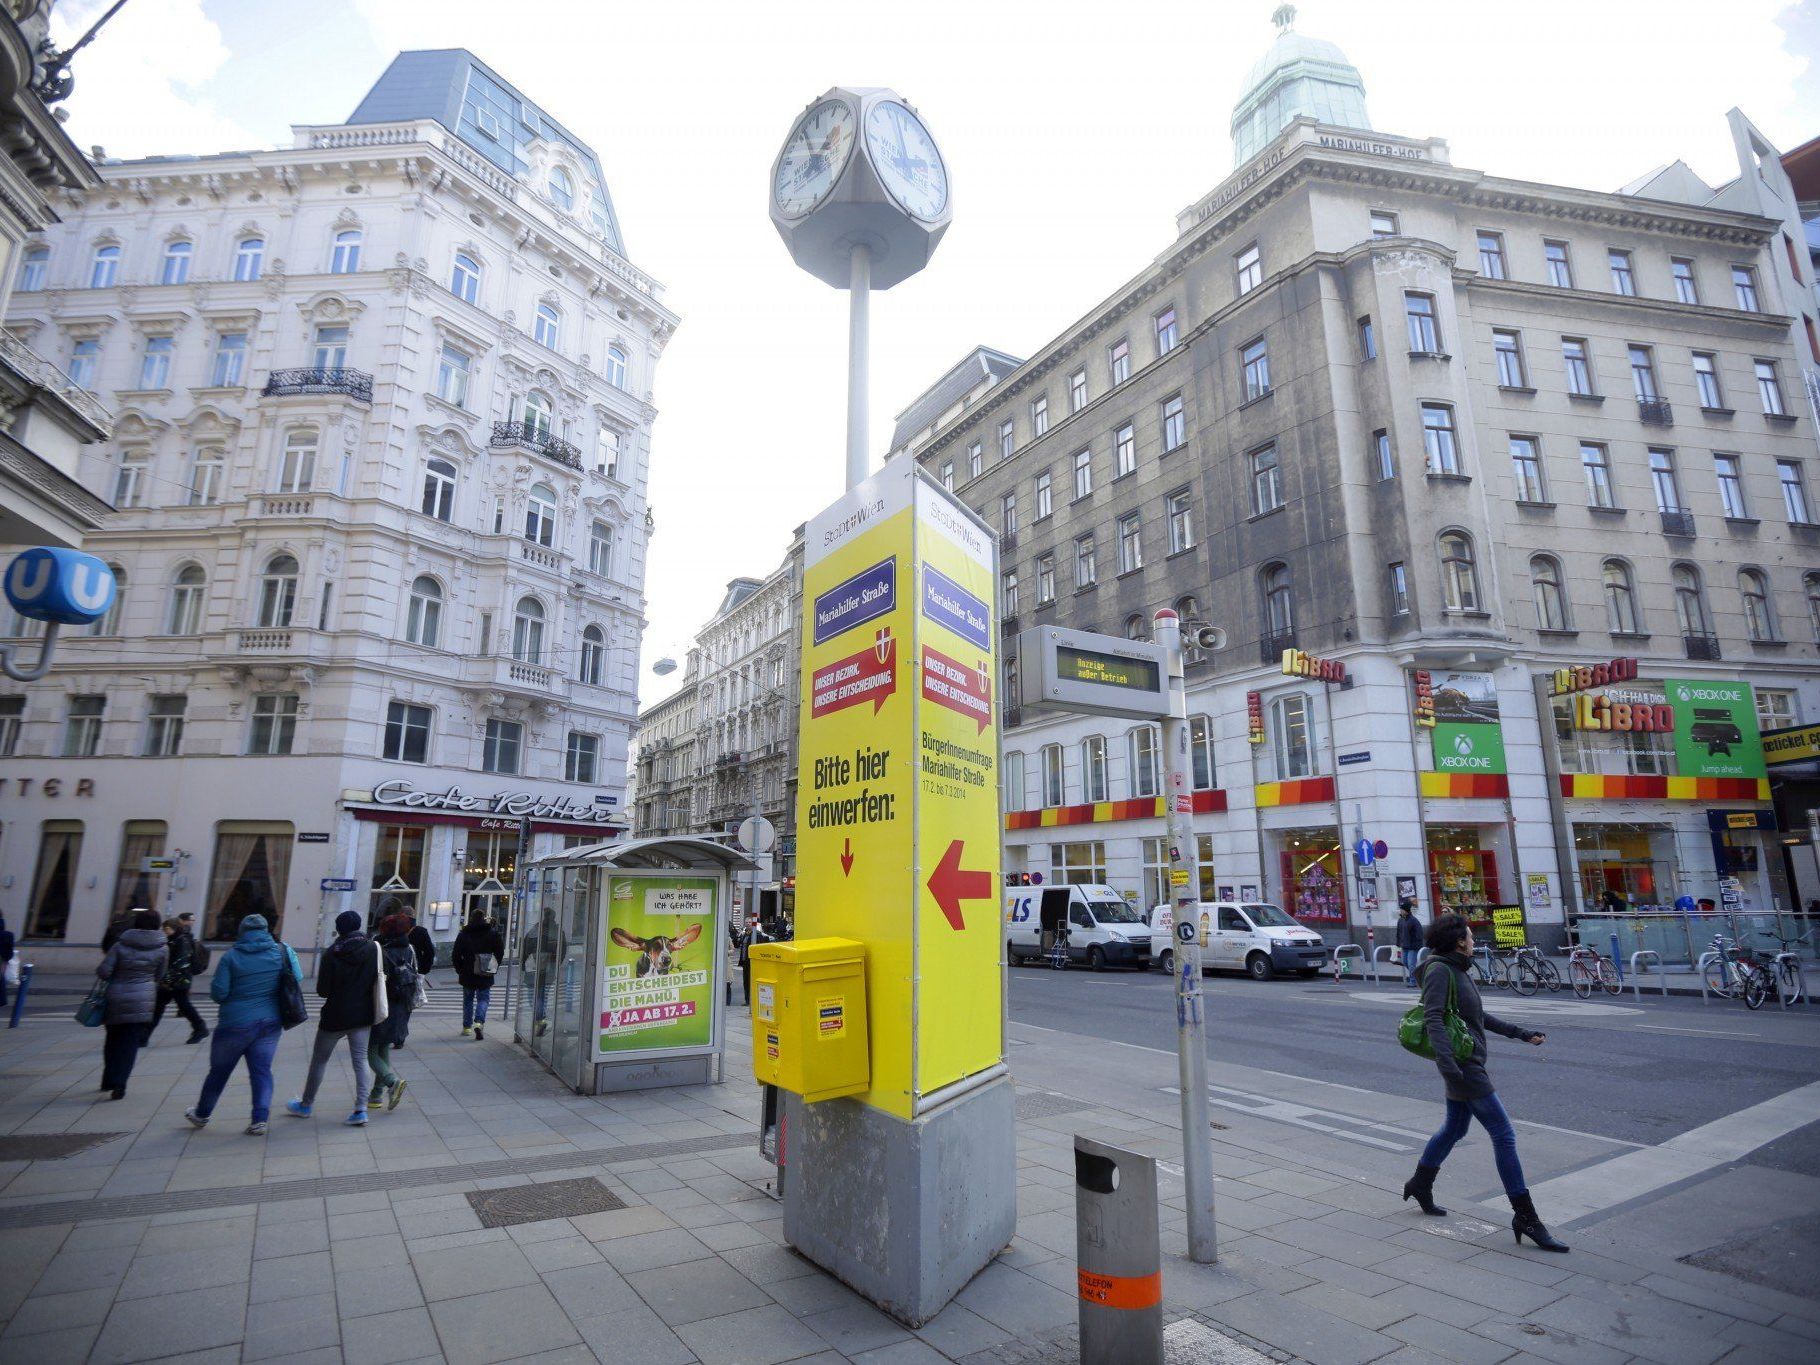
(809, 1017)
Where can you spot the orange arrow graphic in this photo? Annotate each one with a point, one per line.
(950, 884)
(846, 857)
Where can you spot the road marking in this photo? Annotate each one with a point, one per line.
(1306, 1116)
(1709, 1032)
(1559, 1009)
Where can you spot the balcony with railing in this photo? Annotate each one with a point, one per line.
(1677, 521)
(284, 505)
(333, 380)
(1271, 647)
(1701, 646)
(1655, 412)
(512, 675)
(536, 437)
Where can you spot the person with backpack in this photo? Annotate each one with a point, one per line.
(189, 959)
(475, 957)
(246, 985)
(348, 980)
(398, 960)
(131, 969)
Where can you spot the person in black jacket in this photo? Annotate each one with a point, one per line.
(1469, 1092)
(479, 944)
(1409, 938)
(347, 980)
(175, 987)
(131, 969)
(399, 962)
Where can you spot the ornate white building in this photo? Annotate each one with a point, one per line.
(384, 415)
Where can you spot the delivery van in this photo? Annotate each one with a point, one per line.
(1246, 936)
(1104, 930)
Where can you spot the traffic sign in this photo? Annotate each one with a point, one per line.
(1380, 850)
(756, 834)
(1367, 854)
(157, 864)
(1185, 931)
(338, 883)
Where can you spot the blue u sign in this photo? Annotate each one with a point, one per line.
(65, 586)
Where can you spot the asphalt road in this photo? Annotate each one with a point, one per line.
(1637, 1072)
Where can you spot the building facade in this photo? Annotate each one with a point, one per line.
(1418, 438)
(380, 474)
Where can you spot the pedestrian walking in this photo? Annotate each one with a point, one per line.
(423, 946)
(245, 985)
(399, 962)
(347, 979)
(174, 988)
(9, 974)
(1409, 938)
(475, 957)
(131, 969)
(1447, 988)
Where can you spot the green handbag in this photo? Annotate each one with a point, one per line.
(1412, 1033)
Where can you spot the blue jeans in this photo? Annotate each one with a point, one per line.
(258, 1043)
(474, 1002)
(1496, 1123)
(1410, 957)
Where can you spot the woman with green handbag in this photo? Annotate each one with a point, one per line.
(1454, 1023)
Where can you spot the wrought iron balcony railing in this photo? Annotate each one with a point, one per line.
(1701, 646)
(534, 436)
(1271, 647)
(355, 384)
(1677, 522)
(1655, 412)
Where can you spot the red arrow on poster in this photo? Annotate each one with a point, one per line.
(950, 884)
(950, 683)
(870, 675)
(846, 857)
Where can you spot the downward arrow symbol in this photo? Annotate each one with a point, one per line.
(846, 857)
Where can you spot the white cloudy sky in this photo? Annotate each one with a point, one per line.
(1073, 130)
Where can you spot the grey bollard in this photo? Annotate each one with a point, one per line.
(1118, 1256)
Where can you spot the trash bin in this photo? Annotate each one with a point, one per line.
(1118, 1258)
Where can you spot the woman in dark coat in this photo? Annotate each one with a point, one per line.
(1469, 1091)
(399, 961)
(131, 968)
(477, 942)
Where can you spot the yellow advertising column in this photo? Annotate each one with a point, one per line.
(898, 848)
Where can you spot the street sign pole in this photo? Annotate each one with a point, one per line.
(859, 334)
(1184, 895)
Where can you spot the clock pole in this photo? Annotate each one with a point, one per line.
(859, 330)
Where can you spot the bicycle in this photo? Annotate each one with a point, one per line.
(1497, 967)
(1717, 974)
(1788, 979)
(1588, 969)
(1530, 971)
(1734, 973)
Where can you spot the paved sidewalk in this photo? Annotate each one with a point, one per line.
(325, 1243)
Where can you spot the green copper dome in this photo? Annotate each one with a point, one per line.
(1298, 76)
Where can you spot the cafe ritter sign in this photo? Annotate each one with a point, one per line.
(399, 792)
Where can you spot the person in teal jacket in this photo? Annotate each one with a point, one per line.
(245, 985)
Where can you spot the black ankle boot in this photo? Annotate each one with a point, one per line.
(1421, 1188)
(1528, 1224)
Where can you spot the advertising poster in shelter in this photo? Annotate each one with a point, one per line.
(657, 967)
(1468, 735)
(1715, 728)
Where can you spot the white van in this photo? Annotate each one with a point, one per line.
(1247, 936)
(1104, 930)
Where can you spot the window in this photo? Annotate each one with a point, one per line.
(1083, 473)
(1144, 750)
(581, 760)
(593, 656)
(407, 733)
(1266, 481)
(176, 268)
(616, 366)
(1595, 462)
(1424, 336)
(1368, 339)
(1086, 570)
(1386, 458)
(1093, 768)
(83, 357)
(1124, 451)
(540, 515)
(1728, 469)
(274, 723)
(104, 269)
(1131, 542)
(1044, 499)
(976, 460)
(109, 621)
(1399, 589)
(485, 632)
(600, 549)
(1623, 281)
(1250, 268)
(1491, 255)
(34, 267)
(1007, 507)
(230, 361)
(1007, 438)
(1201, 773)
(948, 475)
(129, 481)
(1294, 730)
(1682, 269)
(527, 631)
(1550, 598)
(453, 365)
(1136, 627)
(1039, 416)
(297, 462)
(12, 713)
(1175, 423)
(1753, 589)
(547, 327)
(206, 474)
(1077, 390)
(1643, 373)
(155, 368)
(1620, 598)
(331, 348)
(1769, 388)
(504, 741)
(1812, 584)
(82, 732)
(439, 490)
(1045, 579)
(1744, 287)
(345, 259)
(1560, 269)
(1439, 440)
(1578, 360)
(1254, 364)
(187, 592)
(1690, 601)
(1706, 379)
(249, 258)
(1008, 592)
(1051, 759)
(1794, 492)
(1383, 223)
(278, 592)
(423, 615)
(1166, 335)
(1776, 709)
(606, 452)
(562, 189)
(1526, 469)
(1014, 779)
(1508, 348)
(464, 278)
(1119, 360)
(1278, 600)
(1662, 478)
(1179, 509)
(1459, 575)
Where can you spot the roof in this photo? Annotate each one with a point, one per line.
(981, 363)
(1802, 165)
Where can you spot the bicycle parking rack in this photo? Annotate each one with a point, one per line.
(1706, 959)
(1344, 951)
(1377, 956)
(1800, 973)
(1636, 972)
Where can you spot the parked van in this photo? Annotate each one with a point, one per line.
(1247, 936)
(1104, 930)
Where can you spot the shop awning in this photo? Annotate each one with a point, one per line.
(664, 853)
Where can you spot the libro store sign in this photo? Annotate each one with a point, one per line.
(1300, 665)
(399, 792)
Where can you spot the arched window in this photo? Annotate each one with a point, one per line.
(345, 259)
(1459, 575)
(1812, 584)
(297, 465)
(187, 591)
(1690, 601)
(527, 631)
(109, 624)
(423, 618)
(1551, 600)
(540, 515)
(1759, 621)
(562, 189)
(593, 655)
(104, 270)
(547, 329)
(1620, 599)
(1136, 627)
(537, 415)
(1279, 601)
(464, 279)
(249, 258)
(36, 264)
(177, 263)
(439, 490)
(278, 592)
(616, 367)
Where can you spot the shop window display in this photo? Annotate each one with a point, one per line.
(1463, 876)
(397, 871)
(1311, 866)
(1633, 861)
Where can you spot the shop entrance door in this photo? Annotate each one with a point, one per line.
(486, 879)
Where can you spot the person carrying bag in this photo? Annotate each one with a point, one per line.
(250, 985)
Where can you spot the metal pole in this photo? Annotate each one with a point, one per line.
(1190, 1020)
(859, 328)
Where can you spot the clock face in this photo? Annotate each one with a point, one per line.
(814, 157)
(906, 159)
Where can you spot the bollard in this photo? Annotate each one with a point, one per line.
(25, 981)
(1118, 1260)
